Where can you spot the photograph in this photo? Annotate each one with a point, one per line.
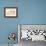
(11, 12)
(32, 32)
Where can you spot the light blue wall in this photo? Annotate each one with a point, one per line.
(29, 12)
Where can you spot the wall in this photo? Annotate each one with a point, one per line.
(29, 12)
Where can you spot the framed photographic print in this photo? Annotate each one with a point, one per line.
(11, 12)
(33, 32)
